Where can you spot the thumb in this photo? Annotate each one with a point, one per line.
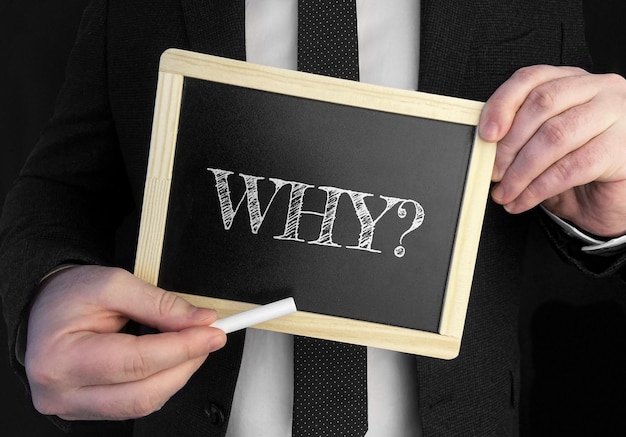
(156, 307)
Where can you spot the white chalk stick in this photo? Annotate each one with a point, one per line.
(256, 315)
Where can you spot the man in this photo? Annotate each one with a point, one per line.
(560, 137)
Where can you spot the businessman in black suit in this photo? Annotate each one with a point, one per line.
(557, 127)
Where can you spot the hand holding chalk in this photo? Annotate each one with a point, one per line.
(256, 315)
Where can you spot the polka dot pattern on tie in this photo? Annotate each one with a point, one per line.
(327, 38)
(330, 389)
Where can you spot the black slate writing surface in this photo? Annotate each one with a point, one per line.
(331, 149)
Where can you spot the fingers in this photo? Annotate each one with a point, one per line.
(119, 358)
(75, 350)
(117, 376)
(500, 110)
(143, 302)
(557, 128)
(551, 116)
(119, 401)
(568, 150)
(574, 169)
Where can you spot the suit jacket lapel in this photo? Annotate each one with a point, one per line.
(446, 35)
(216, 27)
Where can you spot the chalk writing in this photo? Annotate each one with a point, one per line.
(295, 210)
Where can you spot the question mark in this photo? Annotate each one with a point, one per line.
(417, 222)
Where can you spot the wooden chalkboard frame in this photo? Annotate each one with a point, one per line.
(176, 65)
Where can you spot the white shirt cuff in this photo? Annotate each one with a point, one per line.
(594, 245)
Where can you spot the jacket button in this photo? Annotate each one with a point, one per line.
(215, 414)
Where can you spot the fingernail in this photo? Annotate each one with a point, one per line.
(490, 131)
(202, 314)
(496, 174)
(497, 193)
(217, 342)
(510, 207)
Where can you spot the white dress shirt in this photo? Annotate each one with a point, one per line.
(388, 55)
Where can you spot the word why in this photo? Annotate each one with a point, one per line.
(295, 210)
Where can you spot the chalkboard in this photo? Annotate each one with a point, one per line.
(364, 203)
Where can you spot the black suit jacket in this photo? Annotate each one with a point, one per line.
(84, 182)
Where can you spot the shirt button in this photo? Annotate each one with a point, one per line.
(215, 414)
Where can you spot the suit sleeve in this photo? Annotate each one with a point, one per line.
(73, 192)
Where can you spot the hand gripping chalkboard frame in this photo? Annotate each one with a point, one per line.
(180, 69)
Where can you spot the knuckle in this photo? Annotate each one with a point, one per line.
(41, 375)
(48, 402)
(146, 403)
(516, 174)
(166, 303)
(103, 274)
(136, 368)
(541, 99)
(532, 74)
(569, 165)
(537, 189)
(45, 406)
(562, 169)
(188, 352)
(48, 388)
(118, 274)
(617, 84)
(577, 71)
(554, 131)
(505, 147)
(614, 79)
(527, 74)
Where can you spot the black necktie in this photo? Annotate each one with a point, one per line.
(330, 378)
(327, 38)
